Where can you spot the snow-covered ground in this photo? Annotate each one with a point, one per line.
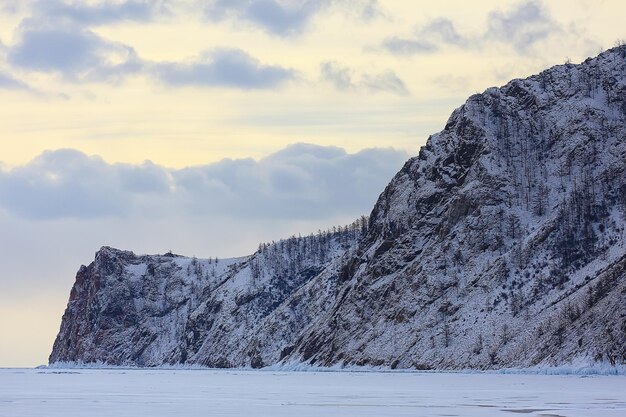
(181, 393)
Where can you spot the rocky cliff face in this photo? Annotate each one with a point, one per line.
(150, 310)
(502, 243)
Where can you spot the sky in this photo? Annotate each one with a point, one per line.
(206, 127)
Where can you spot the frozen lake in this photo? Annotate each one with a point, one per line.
(180, 393)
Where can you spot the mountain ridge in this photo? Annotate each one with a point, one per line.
(501, 244)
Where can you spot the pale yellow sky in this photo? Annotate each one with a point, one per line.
(138, 118)
(330, 77)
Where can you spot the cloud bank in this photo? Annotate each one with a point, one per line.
(301, 181)
(80, 55)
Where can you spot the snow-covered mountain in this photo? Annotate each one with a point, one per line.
(502, 243)
(166, 309)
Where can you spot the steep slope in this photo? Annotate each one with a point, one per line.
(502, 243)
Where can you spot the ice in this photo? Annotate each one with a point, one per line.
(137, 392)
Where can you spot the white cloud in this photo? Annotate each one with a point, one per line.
(300, 182)
(76, 53)
(68, 184)
(80, 55)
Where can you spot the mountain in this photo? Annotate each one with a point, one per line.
(168, 309)
(502, 244)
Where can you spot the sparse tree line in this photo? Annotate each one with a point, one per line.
(288, 256)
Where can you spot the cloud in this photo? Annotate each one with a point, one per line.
(224, 67)
(442, 30)
(80, 55)
(69, 184)
(370, 9)
(276, 17)
(342, 78)
(285, 17)
(99, 13)
(10, 6)
(427, 39)
(7, 82)
(77, 54)
(521, 26)
(301, 181)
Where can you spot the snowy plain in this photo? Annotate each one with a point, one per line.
(134, 392)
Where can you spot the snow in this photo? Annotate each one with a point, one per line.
(134, 392)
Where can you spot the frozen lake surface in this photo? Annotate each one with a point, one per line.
(180, 393)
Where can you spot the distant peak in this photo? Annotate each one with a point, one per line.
(108, 251)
